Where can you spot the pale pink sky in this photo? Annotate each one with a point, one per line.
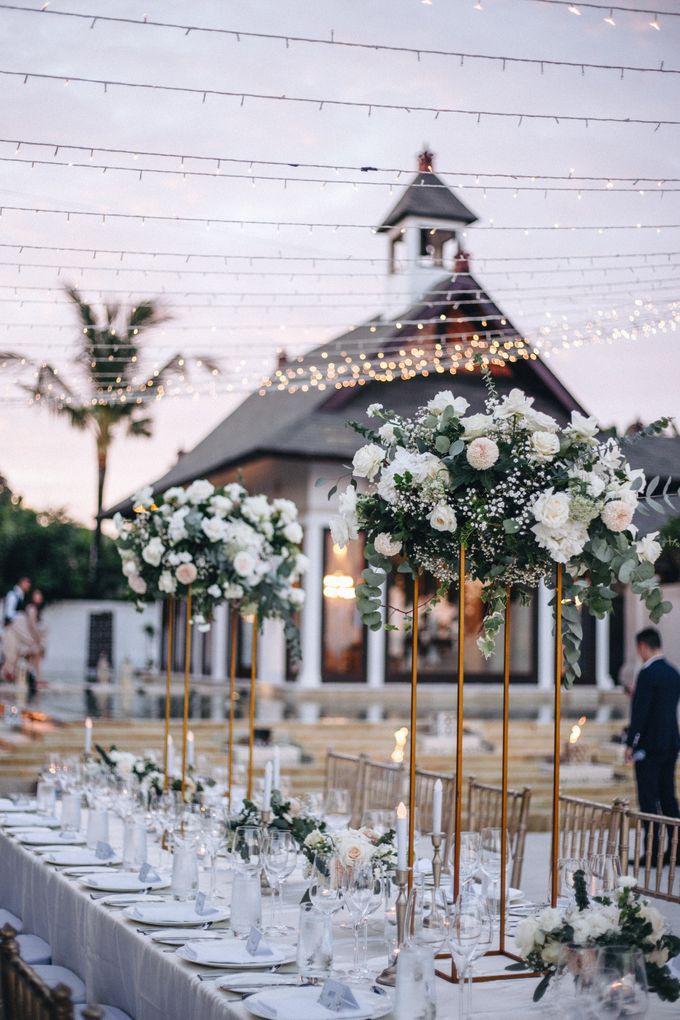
(53, 466)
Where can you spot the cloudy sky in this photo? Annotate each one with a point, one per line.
(243, 317)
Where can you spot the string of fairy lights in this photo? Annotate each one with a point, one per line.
(566, 300)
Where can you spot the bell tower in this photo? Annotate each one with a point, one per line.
(423, 235)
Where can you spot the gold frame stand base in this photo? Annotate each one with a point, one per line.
(453, 978)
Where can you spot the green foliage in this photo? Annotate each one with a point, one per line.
(53, 551)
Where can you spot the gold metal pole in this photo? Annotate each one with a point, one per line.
(556, 734)
(233, 639)
(459, 722)
(168, 683)
(504, 768)
(251, 727)
(412, 744)
(187, 667)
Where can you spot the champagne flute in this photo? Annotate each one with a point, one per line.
(467, 925)
(279, 857)
(362, 895)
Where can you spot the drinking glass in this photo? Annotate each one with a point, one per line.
(470, 854)
(566, 870)
(603, 873)
(247, 850)
(573, 989)
(134, 842)
(378, 820)
(467, 924)
(213, 838)
(482, 947)
(246, 904)
(362, 895)
(46, 797)
(279, 857)
(415, 994)
(315, 942)
(97, 827)
(184, 883)
(337, 809)
(433, 919)
(325, 884)
(490, 857)
(622, 986)
(70, 812)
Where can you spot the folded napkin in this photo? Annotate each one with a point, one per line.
(231, 951)
(26, 819)
(303, 1004)
(22, 804)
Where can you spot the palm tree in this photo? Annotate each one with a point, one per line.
(115, 391)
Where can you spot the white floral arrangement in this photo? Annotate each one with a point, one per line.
(625, 920)
(222, 543)
(353, 847)
(517, 490)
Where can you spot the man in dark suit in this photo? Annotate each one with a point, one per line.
(653, 739)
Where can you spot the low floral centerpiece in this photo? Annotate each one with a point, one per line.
(286, 815)
(222, 544)
(517, 490)
(625, 920)
(147, 771)
(353, 847)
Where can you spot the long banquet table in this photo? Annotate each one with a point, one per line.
(124, 968)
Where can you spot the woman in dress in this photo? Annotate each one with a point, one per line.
(27, 641)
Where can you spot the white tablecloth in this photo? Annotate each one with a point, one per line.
(124, 968)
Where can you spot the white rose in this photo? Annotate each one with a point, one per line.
(143, 497)
(214, 528)
(353, 849)
(516, 403)
(658, 956)
(176, 527)
(537, 421)
(482, 453)
(186, 573)
(152, 553)
(244, 563)
(443, 518)
(339, 532)
(256, 508)
(221, 505)
(386, 545)
(626, 495)
(626, 882)
(199, 490)
(301, 564)
(617, 515)
(293, 533)
(551, 508)
(130, 567)
(367, 460)
(549, 919)
(476, 425)
(167, 583)
(386, 433)
(287, 509)
(175, 495)
(138, 584)
(373, 410)
(526, 935)
(562, 543)
(233, 591)
(214, 591)
(648, 549)
(545, 444)
(296, 597)
(119, 523)
(582, 428)
(446, 399)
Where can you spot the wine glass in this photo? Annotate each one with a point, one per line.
(621, 989)
(566, 871)
(482, 947)
(246, 850)
(433, 919)
(467, 924)
(490, 858)
(603, 872)
(279, 857)
(213, 837)
(325, 884)
(470, 852)
(337, 809)
(377, 820)
(362, 895)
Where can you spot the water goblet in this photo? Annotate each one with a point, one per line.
(362, 895)
(337, 809)
(279, 857)
(325, 884)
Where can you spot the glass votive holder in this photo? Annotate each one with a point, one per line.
(70, 812)
(315, 942)
(246, 904)
(415, 994)
(46, 797)
(134, 843)
(97, 827)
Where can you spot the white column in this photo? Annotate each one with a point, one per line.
(218, 635)
(311, 624)
(375, 664)
(603, 677)
(271, 670)
(546, 648)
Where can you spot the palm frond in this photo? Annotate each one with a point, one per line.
(140, 427)
(145, 315)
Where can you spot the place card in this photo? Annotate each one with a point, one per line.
(255, 946)
(336, 996)
(148, 874)
(103, 850)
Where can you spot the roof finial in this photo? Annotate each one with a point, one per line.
(425, 161)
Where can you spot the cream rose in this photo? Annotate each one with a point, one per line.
(186, 573)
(138, 584)
(551, 508)
(545, 444)
(445, 399)
(339, 532)
(476, 425)
(482, 453)
(368, 460)
(199, 490)
(293, 533)
(130, 567)
(373, 410)
(648, 549)
(244, 563)
(443, 518)
(167, 583)
(386, 545)
(617, 515)
(214, 529)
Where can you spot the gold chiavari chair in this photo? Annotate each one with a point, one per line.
(25, 996)
(424, 794)
(641, 862)
(484, 810)
(343, 772)
(588, 828)
(381, 786)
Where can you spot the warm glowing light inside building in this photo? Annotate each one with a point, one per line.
(338, 586)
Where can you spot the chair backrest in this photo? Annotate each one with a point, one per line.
(484, 810)
(343, 772)
(424, 794)
(24, 995)
(642, 864)
(381, 786)
(588, 828)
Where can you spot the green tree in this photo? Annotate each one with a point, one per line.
(52, 550)
(108, 395)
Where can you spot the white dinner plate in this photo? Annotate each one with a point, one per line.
(29, 820)
(231, 952)
(7, 805)
(49, 838)
(178, 936)
(121, 881)
(303, 1004)
(80, 856)
(173, 914)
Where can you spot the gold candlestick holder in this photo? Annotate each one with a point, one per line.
(388, 976)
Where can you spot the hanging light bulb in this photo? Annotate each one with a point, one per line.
(654, 23)
(573, 9)
(477, 6)
(609, 20)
